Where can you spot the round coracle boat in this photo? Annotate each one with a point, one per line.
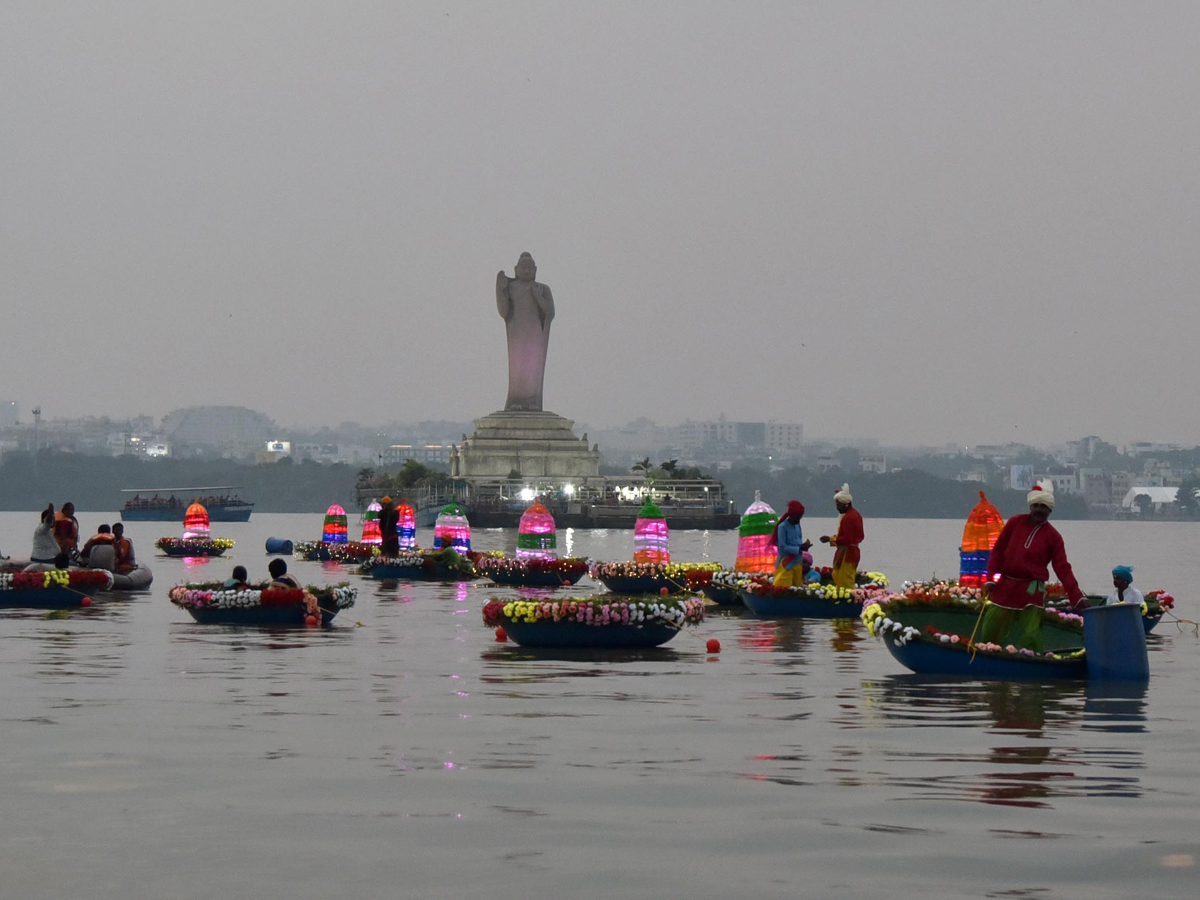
(928, 628)
(602, 621)
(632, 578)
(319, 551)
(531, 571)
(214, 604)
(198, 546)
(812, 601)
(423, 565)
(53, 589)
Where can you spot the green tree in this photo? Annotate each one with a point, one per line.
(669, 467)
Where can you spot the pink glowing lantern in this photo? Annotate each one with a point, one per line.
(195, 522)
(406, 526)
(535, 535)
(451, 529)
(370, 532)
(336, 530)
(756, 551)
(650, 536)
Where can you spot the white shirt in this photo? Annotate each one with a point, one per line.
(1132, 595)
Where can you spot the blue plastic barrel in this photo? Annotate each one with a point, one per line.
(1116, 643)
(279, 546)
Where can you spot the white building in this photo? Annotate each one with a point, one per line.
(1159, 496)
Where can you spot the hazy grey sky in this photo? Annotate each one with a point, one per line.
(922, 221)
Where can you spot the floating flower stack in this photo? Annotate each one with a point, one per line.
(370, 530)
(196, 540)
(651, 539)
(336, 528)
(55, 589)
(755, 554)
(525, 572)
(406, 526)
(213, 603)
(536, 537)
(931, 627)
(600, 621)
(812, 601)
(980, 534)
(451, 529)
(652, 578)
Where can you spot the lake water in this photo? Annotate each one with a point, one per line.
(404, 753)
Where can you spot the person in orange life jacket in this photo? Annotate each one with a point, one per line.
(66, 529)
(1017, 574)
(123, 547)
(103, 535)
(790, 544)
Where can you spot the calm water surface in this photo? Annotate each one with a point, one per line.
(404, 753)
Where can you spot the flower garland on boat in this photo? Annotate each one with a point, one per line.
(597, 611)
(761, 587)
(352, 551)
(56, 578)
(198, 544)
(464, 563)
(567, 566)
(215, 595)
(670, 571)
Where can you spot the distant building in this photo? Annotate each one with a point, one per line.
(1159, 496)
(1139, 447)
(825, 462)
(427, 453)
(1082, 450)
(1095, 486)
(876, 464)
(9, 413)
(781, 438)
(229, 429)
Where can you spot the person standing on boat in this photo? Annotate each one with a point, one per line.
(389, 528)
(790, 546)
(123, 548)
(66, 529)
(849, 535)
(1017, 573)
(1124, 593)
(45, 547)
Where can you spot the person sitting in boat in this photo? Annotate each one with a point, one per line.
(845, 542)
(1017, 573)
(103, 538)
(237, 581)
(123, 550)
(66, 529)
(789, 541)
(45, 547)
(280, 579)
(1124, 592)
(810, 575)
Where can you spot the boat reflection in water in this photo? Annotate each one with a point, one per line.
(1023, 744)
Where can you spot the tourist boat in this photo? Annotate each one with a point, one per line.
(173, 546)
(531, 572)
(150, 504)
(633, 578)
(929, 629)
(813, 601)
(422, 565)
(213, 604)
(53, 589)
(599, 622)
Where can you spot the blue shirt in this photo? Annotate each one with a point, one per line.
(790, 538)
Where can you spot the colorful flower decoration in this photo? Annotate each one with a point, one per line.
(195, 522)
(651, 540)
(352, 551)
(755, 550)
(195, 545)
(336, 529)
(600, 611)
(215, 595)
(452, 529)
(406, 526)
(535, 534)
(370, 530)
(567, 567)
(76, 579)
(983, 528)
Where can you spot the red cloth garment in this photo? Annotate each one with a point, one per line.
(849, 536)
(1021, 557)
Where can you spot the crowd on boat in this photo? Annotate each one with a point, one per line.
(56, 544)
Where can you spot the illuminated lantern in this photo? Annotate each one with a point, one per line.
(650, 538)
(336, 530)
(451, 529)
(195, 522)
(755, 549)
(979, 536)
(371, 533)
(406, 526)
(535, 535)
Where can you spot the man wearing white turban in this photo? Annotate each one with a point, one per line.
(849, 535)
(1018, 571)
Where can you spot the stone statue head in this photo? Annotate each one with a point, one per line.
(526, 268)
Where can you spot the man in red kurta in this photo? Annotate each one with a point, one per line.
(1026, 547)
(849, 535)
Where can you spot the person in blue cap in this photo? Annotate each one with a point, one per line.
(1124, 593)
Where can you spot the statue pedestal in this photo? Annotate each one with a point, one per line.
(535, 444)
